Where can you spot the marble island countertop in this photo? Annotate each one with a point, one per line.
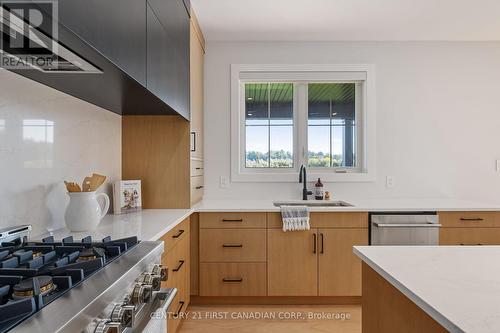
(151, 224)
(458, 286)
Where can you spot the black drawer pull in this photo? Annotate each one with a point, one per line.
(181, 303)
(181, 262)
(478, 244)
(322, 244)
(232, 245)
(177, 235)
(232, 220)
(198, 187)
(199, 168)
(471, 219)
(232, 280)
(314, 243)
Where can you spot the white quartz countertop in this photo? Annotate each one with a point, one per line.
(359, 205)
(147, 225)
(458, 286)
(151, 224)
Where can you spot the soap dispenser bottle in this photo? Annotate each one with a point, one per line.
(318, 190)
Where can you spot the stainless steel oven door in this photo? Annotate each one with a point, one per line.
(405, 230)
(154, 317)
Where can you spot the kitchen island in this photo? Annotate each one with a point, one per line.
(430, 288)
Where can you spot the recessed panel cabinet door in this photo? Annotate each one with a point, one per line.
(116, 28)
(292, 263)
(339, 268)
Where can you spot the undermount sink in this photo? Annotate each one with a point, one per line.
(312, 203)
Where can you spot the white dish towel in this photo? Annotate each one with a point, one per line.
(295, 218)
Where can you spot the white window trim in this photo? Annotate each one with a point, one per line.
(316, 72)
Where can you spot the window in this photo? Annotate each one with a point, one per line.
(317, 115)
(269, 125)
(331, 125)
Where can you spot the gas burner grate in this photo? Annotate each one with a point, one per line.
(33, 274)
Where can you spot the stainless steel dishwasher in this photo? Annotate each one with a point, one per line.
(404, 228)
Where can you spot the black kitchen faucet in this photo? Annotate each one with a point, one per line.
(303, 178)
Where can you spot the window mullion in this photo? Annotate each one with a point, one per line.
(302, 128)
(269, 125)
(331, 136)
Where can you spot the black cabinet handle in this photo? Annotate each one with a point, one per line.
(471, 219)
(322, 244)
(181, 303)
(199, 168)
(232, 245)
(198, 187)
(193, 137)
(181, 262)
(232, 220)
(177, 235)
(314, 243)
(479, 244)
(232, 280)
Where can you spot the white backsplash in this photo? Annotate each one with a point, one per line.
(46, 137)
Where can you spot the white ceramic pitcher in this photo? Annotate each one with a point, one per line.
(84, 211)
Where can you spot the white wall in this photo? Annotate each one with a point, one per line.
(438, 116)
(35, 161)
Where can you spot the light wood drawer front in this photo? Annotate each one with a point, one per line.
(171, 238)
(196, 168)
(326, 220)
(230, 245)
(469, 236)
(232, 220)
(233, 279)
(177, 262)
(469, 219)
(197, 189)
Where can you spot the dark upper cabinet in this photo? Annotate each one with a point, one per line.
(116, 28)
(141, 48)
(158, 55)
(168, 53)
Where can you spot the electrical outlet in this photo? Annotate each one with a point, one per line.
(498, 165)
(224, 182)
(389, 181)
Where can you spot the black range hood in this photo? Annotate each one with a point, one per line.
(84, 71)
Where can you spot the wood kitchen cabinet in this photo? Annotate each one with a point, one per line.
(197, 55)
(176, 258)
(318, 262)
(339, 272)
(469, 236)
(233, 279)
(469, 228)
(327, 246)
(292, 263)
(232, 254)
(247, 254)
